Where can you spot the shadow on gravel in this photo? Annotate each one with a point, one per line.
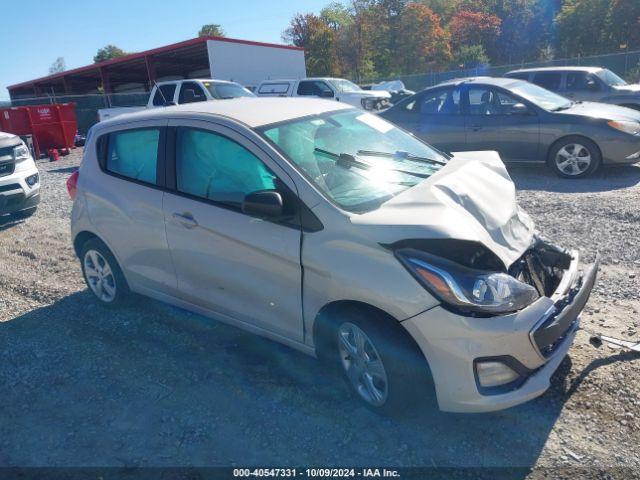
(154, 385)
(64, 170)
(606, 179)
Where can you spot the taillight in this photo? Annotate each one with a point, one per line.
(72, 184)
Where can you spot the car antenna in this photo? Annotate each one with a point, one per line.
(164, 99)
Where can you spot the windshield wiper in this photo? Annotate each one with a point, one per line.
(563, 107)
(346, 160)
(402, 155)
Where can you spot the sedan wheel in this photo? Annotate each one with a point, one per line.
(573, 159)
(100, 276)
(362, 364)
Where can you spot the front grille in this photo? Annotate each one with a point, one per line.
(11, 186)
(7, 168)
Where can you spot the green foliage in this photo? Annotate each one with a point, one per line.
(369, 38)
(211, 30)
(469, 56)
(107, 53)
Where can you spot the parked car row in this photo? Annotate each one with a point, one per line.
(523, 122)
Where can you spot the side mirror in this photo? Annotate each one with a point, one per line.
(519, 109)
(263, 204)
(326, 94)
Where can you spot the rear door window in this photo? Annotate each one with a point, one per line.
(548, 80)
(134, 154)
(164, 94)
(441, 102)
(191, 92)
(519, 75)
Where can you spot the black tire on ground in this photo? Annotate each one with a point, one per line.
(588, 146)
(116, 281)
(409, 379)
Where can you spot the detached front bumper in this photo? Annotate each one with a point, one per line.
(532, 342)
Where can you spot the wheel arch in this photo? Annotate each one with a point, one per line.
(327, 317)
(80, 239)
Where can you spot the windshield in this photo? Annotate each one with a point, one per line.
(610, 78)
(540, 96)
(227, 90)
(344, 86)
(357, 159)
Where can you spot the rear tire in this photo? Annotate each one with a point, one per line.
(380, 362)
(574, 157)
(103, 274)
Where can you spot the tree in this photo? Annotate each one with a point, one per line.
(57, 66)
(317, 38)
(211, 30)
(424, 44)
(474, 29)
(470, 56)
(107, 53)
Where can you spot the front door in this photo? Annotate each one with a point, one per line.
(496, 120)
(228, 262)
(434, 116)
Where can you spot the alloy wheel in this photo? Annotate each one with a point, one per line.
(573, 159)
(362, 364)
(100, 276)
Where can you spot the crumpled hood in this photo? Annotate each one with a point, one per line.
(471, 198)
(602, 111)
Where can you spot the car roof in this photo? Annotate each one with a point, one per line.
(494, 81)
(253, 112)
(557, 69)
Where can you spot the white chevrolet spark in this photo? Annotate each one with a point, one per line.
(330, 230)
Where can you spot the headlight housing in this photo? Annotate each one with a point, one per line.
(368, 103)
(632, 128)
(21, 153)
(468, 290)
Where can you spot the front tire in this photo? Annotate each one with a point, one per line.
(103, 274)
(380, 363)
(574, 157)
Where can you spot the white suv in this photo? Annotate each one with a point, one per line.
(19, 178)
(328, 229)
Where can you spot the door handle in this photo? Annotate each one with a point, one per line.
(186, 219)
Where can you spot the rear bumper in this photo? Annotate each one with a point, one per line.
(535, 339)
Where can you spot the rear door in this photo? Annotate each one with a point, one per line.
(494, 123)
(435, 117)
(228, 262)
(125, 204)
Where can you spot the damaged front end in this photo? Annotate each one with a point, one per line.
(554, 272)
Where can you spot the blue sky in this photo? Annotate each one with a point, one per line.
(36, 32)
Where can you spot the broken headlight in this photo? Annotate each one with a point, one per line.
(466, 289)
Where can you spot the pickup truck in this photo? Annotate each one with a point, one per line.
(337, 89)
(177, 92)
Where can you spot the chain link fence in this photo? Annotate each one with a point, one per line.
(625, 64)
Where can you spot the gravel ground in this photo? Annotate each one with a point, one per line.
(152, 385)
